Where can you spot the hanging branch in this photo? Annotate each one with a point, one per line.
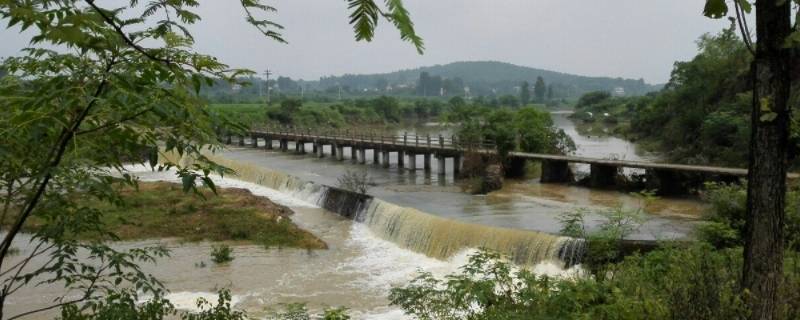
(743, 28)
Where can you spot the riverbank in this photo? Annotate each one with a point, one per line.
(158, 210)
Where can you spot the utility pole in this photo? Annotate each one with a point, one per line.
(267, 73)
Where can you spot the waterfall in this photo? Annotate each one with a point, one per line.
(441, 238)
(410, 228)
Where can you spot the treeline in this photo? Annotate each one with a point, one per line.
(702, 116)
(488, 79)
(346, 113)
(484, 78)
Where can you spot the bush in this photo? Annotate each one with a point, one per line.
(697, 282)
(356, 181)
(221, 254)
(725, 221)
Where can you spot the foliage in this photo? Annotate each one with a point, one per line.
(127, 304)
(298, 311)
(697, 282)
(341, 114)
(525, 129)
(525, 92)
(162, 210)
(99, 85)
(539, 89)
(221, 253)
(725, 226)
(701, 116)
(604, 244)
(356, 181)
(484, 78)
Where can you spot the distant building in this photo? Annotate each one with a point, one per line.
(618, 92)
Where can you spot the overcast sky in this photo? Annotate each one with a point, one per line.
(617, 38)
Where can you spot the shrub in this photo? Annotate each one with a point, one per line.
(725, 224)
(221, 254)
(697, 282)
(356, 181)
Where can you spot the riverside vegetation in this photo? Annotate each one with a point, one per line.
(701, 116)
(98, 84)
(76, 114)
(154, 210)
(700, 280)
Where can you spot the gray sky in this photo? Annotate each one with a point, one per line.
(625, 38)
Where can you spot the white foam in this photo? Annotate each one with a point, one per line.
(386, 264)
(146, 174)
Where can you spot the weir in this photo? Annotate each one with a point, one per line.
(410, 228)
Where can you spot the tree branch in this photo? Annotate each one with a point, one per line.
(114, 123)
(60, 148)
(740, 18)
(110, 21)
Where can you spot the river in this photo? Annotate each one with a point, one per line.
(361, 265)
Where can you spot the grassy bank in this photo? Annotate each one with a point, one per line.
(163, 210)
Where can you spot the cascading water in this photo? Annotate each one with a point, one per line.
(412, 229)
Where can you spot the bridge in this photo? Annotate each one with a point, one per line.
(603, 173)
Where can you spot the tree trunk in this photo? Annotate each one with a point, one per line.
(764, 238)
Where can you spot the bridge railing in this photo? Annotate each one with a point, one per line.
(405, 139)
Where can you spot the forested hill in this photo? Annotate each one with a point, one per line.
(484, 76)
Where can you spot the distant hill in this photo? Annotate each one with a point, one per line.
(491, 77)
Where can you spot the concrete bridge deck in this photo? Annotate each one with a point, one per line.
(667, 177)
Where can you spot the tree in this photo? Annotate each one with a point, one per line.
(286, 84)
(381, 84)
(766, 189)
(525, 93)
(423, 84)
(539, 89)
(73, 115)
(550, 92)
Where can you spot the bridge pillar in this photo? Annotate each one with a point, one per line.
(267, 142)
(315, 147)
(401, 159)
(554, 171)
(602, 175)
(426, 159)
(320, 150)
(456, 165)
(516, 168)
(339, 152)
(333, 150)
(412, 162)
(440, 165)
(300, 147)
(284, 145)
(385, 161)
(665, 182)
(362, 156)
(241, 141)
(254, 141)
(353, 154)
(229, 139)
(375, 156)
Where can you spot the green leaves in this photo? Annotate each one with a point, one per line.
(364, 19)
(266, 27)
(715, 9)
(402, 21)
